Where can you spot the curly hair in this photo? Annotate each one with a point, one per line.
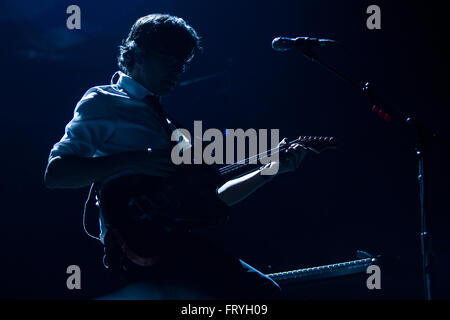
(163, 33)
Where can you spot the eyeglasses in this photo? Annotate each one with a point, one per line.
(172, 62)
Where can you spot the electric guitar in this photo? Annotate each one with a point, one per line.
(135, 206)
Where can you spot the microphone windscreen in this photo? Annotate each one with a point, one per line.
(282, 44)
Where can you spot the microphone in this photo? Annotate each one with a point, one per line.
(300, 43)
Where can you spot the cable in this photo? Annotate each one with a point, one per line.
(84, 213)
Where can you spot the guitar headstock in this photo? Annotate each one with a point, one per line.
(316, 144)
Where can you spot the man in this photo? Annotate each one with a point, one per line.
(121, 129)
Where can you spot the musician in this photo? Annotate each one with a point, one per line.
(118, 129)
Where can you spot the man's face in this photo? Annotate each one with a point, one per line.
(159, 73)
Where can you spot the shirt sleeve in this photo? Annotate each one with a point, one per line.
(93, 123)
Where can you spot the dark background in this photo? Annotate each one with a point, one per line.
(362, 196)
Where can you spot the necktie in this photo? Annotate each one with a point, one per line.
(166, 120)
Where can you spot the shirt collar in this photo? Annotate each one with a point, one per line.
(133, 87)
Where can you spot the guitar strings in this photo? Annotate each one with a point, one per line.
(241, 163)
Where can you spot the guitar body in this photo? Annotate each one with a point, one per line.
(144, 209)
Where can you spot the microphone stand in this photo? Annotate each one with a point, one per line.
(423, 139)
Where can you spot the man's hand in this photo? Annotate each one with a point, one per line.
(292, 157)
(238, 189)
(289, 160)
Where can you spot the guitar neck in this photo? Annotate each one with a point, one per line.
(254, 162)
(249, 164)
(323, 272)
